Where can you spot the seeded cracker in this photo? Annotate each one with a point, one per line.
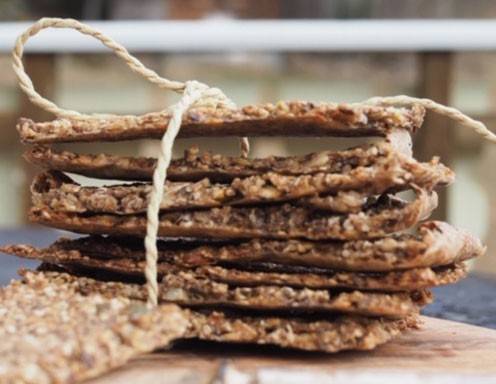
(436, 244)
(185, 289)
(382, 159)
(330, 335)
(387, 215)
(297, 118)
(51, 333)
(58, 192)
(256, 274)
(338, 334)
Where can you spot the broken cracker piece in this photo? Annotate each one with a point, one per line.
(52, 334)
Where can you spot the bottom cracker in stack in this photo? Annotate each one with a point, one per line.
(326, 296)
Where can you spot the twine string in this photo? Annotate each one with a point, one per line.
(27, 86)
(193, 93)
(450, 112)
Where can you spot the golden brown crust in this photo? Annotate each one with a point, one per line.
(52, 334)
(282, 119)
(387, 215)
(342, 333)
(261, 274)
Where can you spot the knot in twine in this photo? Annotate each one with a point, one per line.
(194, 94)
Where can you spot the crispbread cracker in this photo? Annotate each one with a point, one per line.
(387, 215)
(284, 118)
(253, 275)
(124, 328)
(435, 244)
(338, 334)
(52, 334)
(60, 193)
(185, 289)
(383, 159)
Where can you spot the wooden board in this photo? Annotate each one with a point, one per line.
(440, 352)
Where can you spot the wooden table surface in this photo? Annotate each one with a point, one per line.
(440, 352)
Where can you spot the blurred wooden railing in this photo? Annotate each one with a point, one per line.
(434, 41)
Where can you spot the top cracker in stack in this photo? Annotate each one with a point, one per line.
(307, 252)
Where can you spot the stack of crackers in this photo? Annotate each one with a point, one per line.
(310, 252)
